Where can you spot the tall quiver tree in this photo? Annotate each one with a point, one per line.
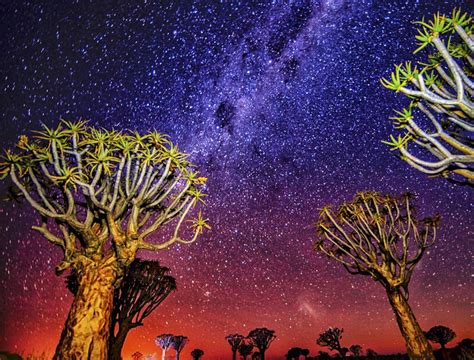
(441, 89)
(100, 195)
(164, 341)
(380, 236)
(261, 338)
(178, 344)
(234, 341)
(144, 287)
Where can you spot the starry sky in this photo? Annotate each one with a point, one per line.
(280, 105)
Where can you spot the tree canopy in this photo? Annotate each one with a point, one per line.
(97, 185)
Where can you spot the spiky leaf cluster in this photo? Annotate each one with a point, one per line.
(440, 142)
(99, 185)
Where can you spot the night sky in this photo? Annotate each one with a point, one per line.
(280, 105)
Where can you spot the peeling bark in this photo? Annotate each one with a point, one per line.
(87, 328)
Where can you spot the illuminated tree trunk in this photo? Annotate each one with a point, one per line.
(417, 346)
(86, 333)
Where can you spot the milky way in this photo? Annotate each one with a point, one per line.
(280, 105)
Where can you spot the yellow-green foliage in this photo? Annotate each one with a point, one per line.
(441, 88)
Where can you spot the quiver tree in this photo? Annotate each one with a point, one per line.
(245, 349)
(294, 353)
(196, 354)
(371, 354)
(261, 338)
(164, 341)
(380, 236)
(356, 350)
(438, 124)
(178, 344)
(234, 341)
(143, 288)
(100, 195)
(331, 338)
(465, 349)
(441, 335)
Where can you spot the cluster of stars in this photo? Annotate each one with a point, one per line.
(280, 106)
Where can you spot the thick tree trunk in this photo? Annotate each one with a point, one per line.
(177, 355)
(116, 342)
(417, 346)
(86, 333)
(234, 354)
(163, 355)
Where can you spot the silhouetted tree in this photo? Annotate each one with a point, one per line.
(331, 338)
(441, 335)
(323, 355)
(143, 288)
(305, 353)
(137, 355)
(245, 349)
(380, 236)
(164, 341)
(196, 354)
(178, 343)
(371, 354)
(100, 195)
(262, 338)
(294, 353)
(356, 350)
(234, 341)
(440, 89)
(466, 349)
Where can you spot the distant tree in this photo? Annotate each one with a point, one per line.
(261, 338)
(137, 355)
(305, 353)
(331, 338)
(356, 350)
(234, 341)
(323, 355)
(371, 354)
(294, 353)
(440, 90)
(143, 288)
(245, 349)
(379, 236)
(196, 354)
(467, 343)
(100, 194)
(178, 343)
(441, 335)
(465, 349)
(164, 341)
